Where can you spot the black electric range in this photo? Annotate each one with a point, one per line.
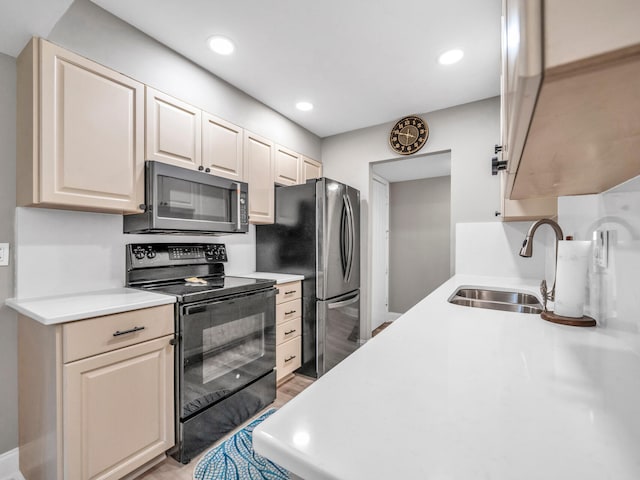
(225, 338)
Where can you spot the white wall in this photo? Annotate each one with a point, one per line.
(614, 299)
(419, 239)
(63, 252)
(8, 324)
(96, 34)
(470, 131)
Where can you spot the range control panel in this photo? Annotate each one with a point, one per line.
(164, 254)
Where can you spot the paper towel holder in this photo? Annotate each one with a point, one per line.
(574, 322)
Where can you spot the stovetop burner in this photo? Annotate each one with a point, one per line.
(191, 272)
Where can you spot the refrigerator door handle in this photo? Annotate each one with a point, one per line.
(351, 238)
(344, 242)
(344, 303)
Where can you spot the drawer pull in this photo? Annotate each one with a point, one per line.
(289, 292)
(289, 359)
(289, 313)
(290, 332)
(133, 330)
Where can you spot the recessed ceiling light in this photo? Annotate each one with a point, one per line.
(450, 57)
(221, 45)
(304, 106)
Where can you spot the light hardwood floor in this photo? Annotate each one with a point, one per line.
(169, 469)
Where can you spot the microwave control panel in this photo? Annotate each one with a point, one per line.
(244, 208)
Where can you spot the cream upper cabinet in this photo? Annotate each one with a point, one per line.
(259, 173)
(287, 168)
(222, 147)
(570, 96)
(80, 133)
(173, 130)
(309, 169)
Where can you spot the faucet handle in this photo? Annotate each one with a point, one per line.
(545, 294)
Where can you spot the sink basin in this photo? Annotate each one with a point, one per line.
(496, 300)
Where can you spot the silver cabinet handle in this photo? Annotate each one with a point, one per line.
(289, 313)
(289, 292)
(125, 332)
(289, 332)
(289, 359)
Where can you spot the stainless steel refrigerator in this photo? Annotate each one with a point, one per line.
(317, 234)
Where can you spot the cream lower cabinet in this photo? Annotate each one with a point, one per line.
(259, 172)
(96, 396)
(80, 133)
(288, 329)
(309, 169)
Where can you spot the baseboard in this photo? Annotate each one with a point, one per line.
(391, 316)
(9, 466)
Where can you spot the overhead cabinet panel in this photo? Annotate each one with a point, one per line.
(259, 170)
(222, 147)
(287, 166)
(91, 124)
(173, 130)
(309, 169)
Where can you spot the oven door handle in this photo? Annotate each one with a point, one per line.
(188, 310)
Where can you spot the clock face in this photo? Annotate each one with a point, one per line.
(409, 135)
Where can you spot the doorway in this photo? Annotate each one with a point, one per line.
(411, 232)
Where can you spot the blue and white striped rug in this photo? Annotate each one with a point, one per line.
(235, 459)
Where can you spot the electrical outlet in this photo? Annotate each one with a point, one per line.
(4, 254)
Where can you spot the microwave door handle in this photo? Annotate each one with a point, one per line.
(238, 205)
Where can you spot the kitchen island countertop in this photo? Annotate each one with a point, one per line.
(67, 308)
(459, 393)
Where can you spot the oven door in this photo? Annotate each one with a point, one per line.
(225, 345)
(186, 200)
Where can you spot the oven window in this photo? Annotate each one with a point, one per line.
(225, 345)
(193, 201)
(232, 345)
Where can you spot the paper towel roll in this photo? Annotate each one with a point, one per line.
(571, 278)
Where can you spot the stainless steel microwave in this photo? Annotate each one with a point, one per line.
(183, 201)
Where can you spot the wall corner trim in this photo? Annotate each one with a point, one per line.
(9, 469)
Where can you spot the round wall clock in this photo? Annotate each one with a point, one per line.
(409, 135)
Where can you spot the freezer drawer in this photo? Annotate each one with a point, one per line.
(338, 329)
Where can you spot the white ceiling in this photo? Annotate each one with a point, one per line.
(415, 167)
(361, 63)
(22, 19)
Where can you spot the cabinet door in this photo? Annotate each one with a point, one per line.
(118, 410)
(258, 167)
(91, 138)
(222, 147)
(173, 130)
(525, 210)
(522, 73)
(309, 169)
(287, 166)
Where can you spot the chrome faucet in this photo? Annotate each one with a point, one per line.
(527, 251)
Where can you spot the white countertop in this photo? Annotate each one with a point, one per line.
(460, 393)
(278, 277)
(66, 308)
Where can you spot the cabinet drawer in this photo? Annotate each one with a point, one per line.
(85, 338)
(288, 330)
(288, 310)
(289, 291)
(288, 357)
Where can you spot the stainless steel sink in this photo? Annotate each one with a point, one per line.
(496, 300)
